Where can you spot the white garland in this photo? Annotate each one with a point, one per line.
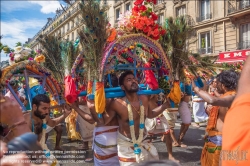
(137, 142)
(46, 150)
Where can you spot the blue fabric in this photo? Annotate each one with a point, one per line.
(36, 90)
(188, 89)
(172, 104)
(217, 140)
(199, 82)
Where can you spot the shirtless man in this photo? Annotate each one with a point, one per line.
(105, 136)
(39, 112)
(226, 85)
(129, 110)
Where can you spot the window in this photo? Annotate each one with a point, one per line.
(159, 2)
(68, 37)
(244, 4)
(205, 43)
(180, 11)
(128, 7)
(205, 10)
(72, 36)
(244, 36)
(67, 26)
(160, 20)
(117, 14)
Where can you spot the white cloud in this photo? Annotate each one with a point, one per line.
(47, 6)
(14, 31)
(9, 6)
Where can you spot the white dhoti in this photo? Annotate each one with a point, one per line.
(199, 110)
(85, 129)
(126, 154)
(185, 113)
(105, 146)
(161, 125)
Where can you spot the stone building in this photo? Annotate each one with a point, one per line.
(220, 26)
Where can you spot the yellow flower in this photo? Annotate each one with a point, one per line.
(131, 47)
(40, 58)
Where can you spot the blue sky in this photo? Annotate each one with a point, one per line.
(22, 19)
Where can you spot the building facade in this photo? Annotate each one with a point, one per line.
(219, 26)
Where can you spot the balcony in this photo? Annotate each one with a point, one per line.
(207, 50)
(244, 45)
(233, 8)
(204, 17)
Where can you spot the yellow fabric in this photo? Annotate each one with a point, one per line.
(210, 159)
(89, 88)
(71, 126)
(100, 101)
(33, 82)
(175, 93)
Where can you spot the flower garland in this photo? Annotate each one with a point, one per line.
(137, 142)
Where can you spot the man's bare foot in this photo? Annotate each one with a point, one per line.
(173, 159)
(182, 145)
(196, 125)
(58, 148)
(175, 144)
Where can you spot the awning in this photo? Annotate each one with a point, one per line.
(233, 56)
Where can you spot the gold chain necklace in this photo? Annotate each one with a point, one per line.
(137, 110)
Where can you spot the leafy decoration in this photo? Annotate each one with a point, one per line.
(52, 52)
(174, 44)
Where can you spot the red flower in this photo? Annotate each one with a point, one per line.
(146, 29)
(154, 16)
(163, 32)
(135, 9)
(155, 32)
(130, 59)
(142, 8)
(138, 2)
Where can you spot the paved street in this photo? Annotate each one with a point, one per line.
(189, 156)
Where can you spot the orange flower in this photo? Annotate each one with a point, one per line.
(112, 35)
(40, 59)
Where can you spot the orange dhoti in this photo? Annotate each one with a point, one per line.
(210, 155)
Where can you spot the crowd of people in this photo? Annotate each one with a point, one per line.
(120, 136)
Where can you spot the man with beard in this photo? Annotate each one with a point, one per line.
(131, 112)
(40, 114)
(226, 85)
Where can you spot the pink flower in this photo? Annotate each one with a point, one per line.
(30, 59)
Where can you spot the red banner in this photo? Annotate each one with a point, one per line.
(233, 56)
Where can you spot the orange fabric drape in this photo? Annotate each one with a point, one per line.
(100, 101)
(175, 93)
(89, 87)
(213, 116)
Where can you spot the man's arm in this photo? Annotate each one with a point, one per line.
(244, 81)
(83, 114)
(154, 110)
(56, 121)
(216, 101)
(110, 113)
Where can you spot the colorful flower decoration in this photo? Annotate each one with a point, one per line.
(40, 58)
(142, 19)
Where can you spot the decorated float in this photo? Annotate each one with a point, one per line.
(126, 48)
(34, 76)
